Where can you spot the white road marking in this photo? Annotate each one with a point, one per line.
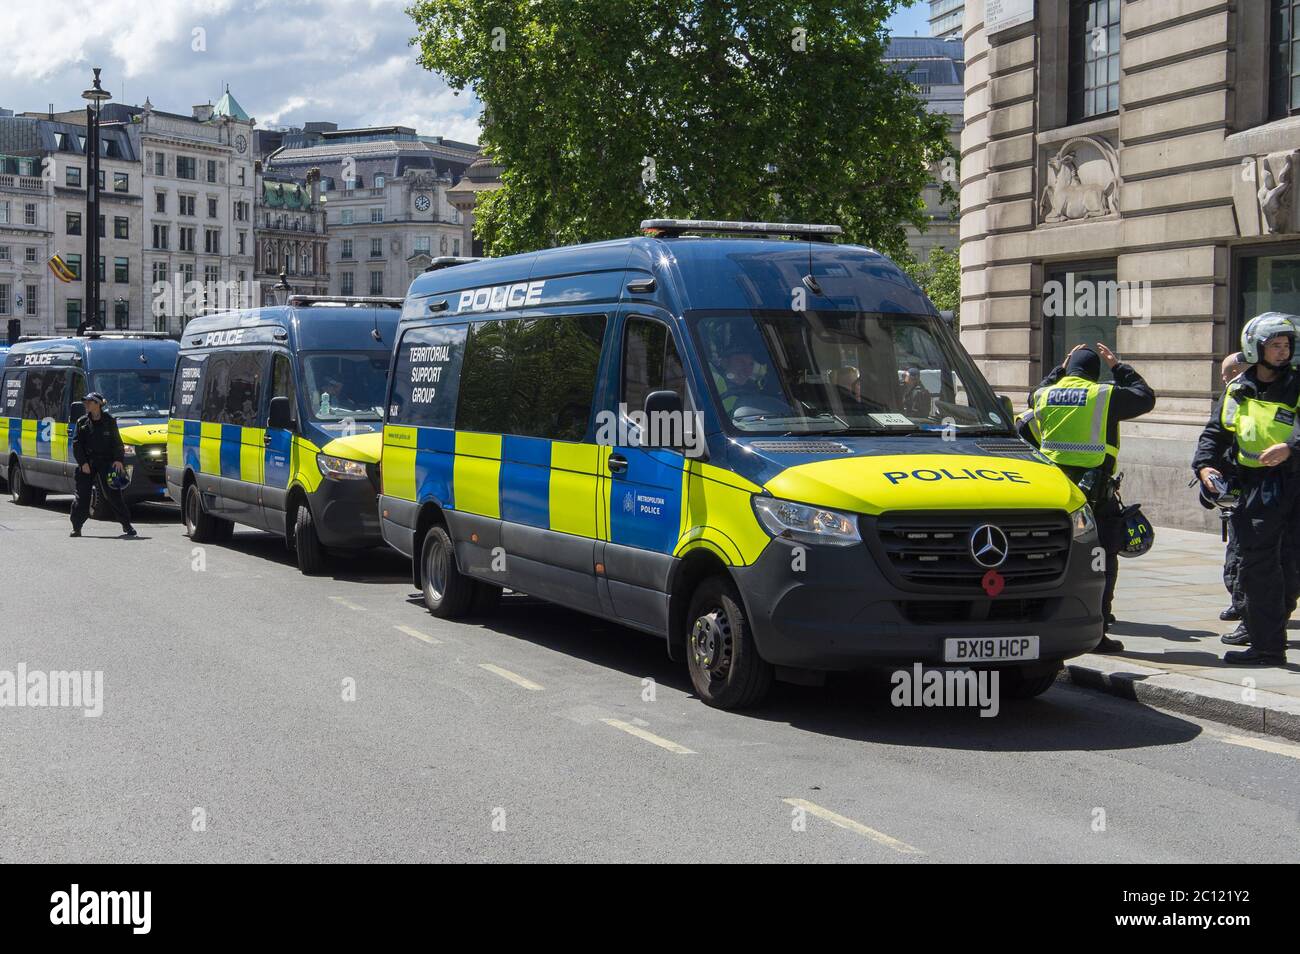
(416, 634)
(514, 677)
(352, 606)
(837, 819)
(1288, 749)
(650, 737)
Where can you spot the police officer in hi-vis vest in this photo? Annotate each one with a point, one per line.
(1074, 421)
(1255, 419)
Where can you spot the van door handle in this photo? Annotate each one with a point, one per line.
(617, 464)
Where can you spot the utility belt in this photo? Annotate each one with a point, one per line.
(1101, 489)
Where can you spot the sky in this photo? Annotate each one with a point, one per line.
(287, 61)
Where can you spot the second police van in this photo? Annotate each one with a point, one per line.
(772, 453)
(40, 400)
(276, 416)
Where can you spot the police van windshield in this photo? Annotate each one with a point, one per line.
(346, 386)
(842, 372)
(134, 393)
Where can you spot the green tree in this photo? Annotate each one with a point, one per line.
(939, 277)
(606, 112)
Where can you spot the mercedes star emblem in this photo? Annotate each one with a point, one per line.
(988, 546)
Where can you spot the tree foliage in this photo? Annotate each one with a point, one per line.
(606, 112)
(939, 277)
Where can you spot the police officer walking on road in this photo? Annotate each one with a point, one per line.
(97, 447)
(1075, 423)
(1257, 414)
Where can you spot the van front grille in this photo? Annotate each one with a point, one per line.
(933, 549)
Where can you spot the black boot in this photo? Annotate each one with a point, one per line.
(1238, 637)
(76, 532)
(1108, 645)
(1253, 657)
(128, 531)
(1230, 615)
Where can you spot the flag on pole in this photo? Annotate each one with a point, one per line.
(60, 269)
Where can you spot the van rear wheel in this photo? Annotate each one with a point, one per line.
(721, 657)
(200, 526)
(448, 593)
(22, 492)
(306, 542)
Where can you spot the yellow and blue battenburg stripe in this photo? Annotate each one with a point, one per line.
(243, 453)
(662, 503)
(30, 438)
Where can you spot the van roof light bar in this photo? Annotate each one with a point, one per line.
(669, 228)
(97, 333)
(344, 301)
(447, 261)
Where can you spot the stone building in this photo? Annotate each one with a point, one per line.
(1128, 175)
(45, 169)
(290, 236)
(946, 17)
(481, 177)
(384, 191)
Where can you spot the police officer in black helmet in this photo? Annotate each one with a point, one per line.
(97, 447)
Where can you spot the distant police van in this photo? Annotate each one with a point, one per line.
(772, 453)
(275, 424)
(40, 396)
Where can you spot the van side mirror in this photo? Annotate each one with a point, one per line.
(672, 427)
(661, 402)
(281, 414)
(1008, 406)
(78, 411)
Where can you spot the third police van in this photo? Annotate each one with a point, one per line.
(765, 448)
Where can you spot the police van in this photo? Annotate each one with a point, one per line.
(276, 416)
(765, 448)
(40, 401)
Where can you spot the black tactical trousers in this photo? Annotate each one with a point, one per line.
(1266, 525)
(86, 485)
(1232, 569)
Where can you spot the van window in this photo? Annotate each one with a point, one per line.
(46, 395)
(532, 377)
(233, 390)
(650, 362)
(11, 396)
(134, 393)
(282, 380)
(426, 376)
(186, 400)
(345, 386)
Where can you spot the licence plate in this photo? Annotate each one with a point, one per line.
(990, 648)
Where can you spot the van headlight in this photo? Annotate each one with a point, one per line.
(796, 521)
(340, 468)
(1082, 522)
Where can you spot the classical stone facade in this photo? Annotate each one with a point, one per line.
(1128, 175)
(289, 228)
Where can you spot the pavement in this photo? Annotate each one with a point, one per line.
(252, 714)
(1167, 605)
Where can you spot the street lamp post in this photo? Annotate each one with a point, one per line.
(90, 270)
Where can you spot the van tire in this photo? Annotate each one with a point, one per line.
(721, 656)
(225, 530)
(20, 491)
(487, 596)
(1015, 684)
(200, 526)
(448, 593)
(306, 542)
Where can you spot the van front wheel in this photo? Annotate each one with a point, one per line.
(721, 657)
(306, 542)
(448, 593)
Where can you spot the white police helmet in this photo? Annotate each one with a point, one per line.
(1263, 327)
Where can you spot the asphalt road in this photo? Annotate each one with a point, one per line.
(529, 736)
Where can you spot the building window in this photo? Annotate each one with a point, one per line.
(160, 202)
(1284, 59)
(455, 247)
(72, 223)
(29, 213)
(121, 182)
(121, 314)
(345, 283)
(4, 213)
(159, 164)
(1094, 58)
(1081, 303)
(186, 168)
(376, 248)
(376, 215)
(73, 313)
(243, 236)
(187, 240)
(73, 261)
(423, 243)
(101, 274)
(212, 170)
(159, 272)
(187, 205)
(121, 271)
(160, 237)
(212, 208)
(31, 299)
(29, 255)
(346, 217)
(347, 248)
(72, 177)
(121, 227)
(376, 283)
(379, 182)
(4, 299)
(1266, 281)
(212, 241)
